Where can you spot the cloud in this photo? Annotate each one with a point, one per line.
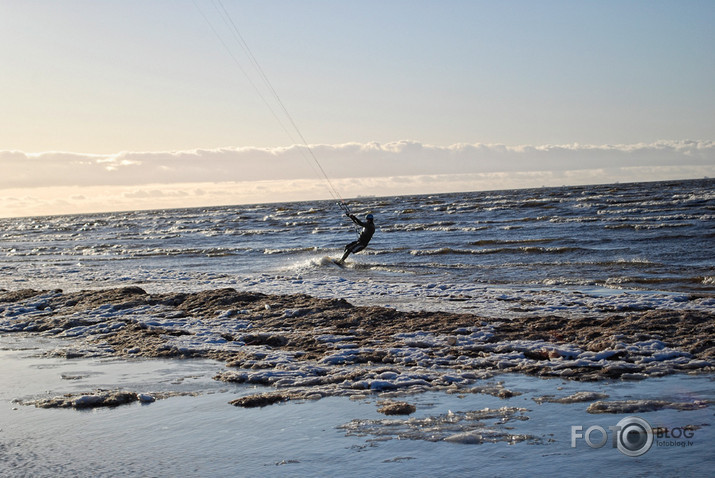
(400, 158)
(65, 200)
(67, 183)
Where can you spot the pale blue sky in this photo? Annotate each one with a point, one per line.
(442, 72)
(102, 77)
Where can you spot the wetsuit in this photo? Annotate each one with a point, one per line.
(365, 236)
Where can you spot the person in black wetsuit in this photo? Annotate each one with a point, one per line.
(365, 236)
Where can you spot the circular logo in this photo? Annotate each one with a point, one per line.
(634, 436)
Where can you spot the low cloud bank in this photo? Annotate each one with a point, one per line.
(28, 170)
(66, 183)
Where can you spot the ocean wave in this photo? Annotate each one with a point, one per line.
(310, 211)
(499, 250)
(553, 250)
(578, 264)
(289, 250)
(408, 211)
(577, 220)
(190, 252)
(328, 262)
(440, 251)
(310, 263)
(671, 281)
(491, 242)
(565, 281)
(444, 226)
(645, 227)
(703, 197)
(631, 261)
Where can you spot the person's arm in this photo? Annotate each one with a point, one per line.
(356, 220)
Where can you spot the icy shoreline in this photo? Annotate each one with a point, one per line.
(196, 432)
(308, 348)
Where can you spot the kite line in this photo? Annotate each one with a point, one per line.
(290, 127)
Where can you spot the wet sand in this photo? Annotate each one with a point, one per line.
(308, 348)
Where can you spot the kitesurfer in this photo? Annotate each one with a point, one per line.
(368, 229)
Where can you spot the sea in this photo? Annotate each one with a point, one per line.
(568, 251)
(495, 253)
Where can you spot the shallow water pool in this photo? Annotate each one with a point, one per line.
(197, 433)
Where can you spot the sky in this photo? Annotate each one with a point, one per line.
(123, 104)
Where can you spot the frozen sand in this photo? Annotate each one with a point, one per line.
(312, 347)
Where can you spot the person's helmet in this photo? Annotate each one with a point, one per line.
(369, 217)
